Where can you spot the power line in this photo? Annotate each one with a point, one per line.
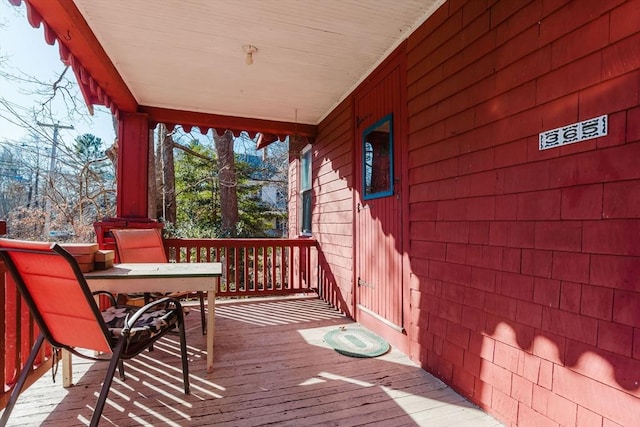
(52, 166)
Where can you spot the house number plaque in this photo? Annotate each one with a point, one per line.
(588, 129)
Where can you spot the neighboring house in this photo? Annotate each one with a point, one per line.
(265, 176)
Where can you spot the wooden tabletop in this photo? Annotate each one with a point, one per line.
(157, 270)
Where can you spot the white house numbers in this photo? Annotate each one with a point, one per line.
(588, 129)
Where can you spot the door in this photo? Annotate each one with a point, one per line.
(379, 287)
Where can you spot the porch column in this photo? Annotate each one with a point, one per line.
(133, 165)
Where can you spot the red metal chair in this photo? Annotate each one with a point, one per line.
(56, 292)
(145, 245)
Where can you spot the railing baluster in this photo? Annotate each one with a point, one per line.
(290, 266)
(236, 269)
(265, 259)
(309, 270)
(248, 270)
(272, 270)
(283, 268)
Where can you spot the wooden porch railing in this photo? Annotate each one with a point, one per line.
(251, 267)
(18, 332)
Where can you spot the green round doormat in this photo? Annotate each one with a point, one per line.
(356, 342)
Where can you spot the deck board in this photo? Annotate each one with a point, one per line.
(271, 367)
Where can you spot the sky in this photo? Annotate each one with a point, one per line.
(23, 49)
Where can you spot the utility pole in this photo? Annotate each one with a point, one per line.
(52, 167)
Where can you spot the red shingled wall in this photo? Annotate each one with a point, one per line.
(332, 215)
(531, 303)
(525, 264)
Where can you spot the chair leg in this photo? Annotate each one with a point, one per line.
(203, 317)
(121, 369)
(108, 379)
(22, 379)
(183, 352)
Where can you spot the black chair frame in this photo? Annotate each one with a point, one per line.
(121, 347)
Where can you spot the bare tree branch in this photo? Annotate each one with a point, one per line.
(192, 152)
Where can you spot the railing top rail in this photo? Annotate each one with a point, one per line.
(306, 242)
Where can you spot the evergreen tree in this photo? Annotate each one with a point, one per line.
(88, 147)
(197, 196)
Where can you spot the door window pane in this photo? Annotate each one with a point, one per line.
(377, 159)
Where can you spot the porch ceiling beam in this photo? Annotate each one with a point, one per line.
(220, 122)
(71, 29)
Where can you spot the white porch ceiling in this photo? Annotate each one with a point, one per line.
(188, 54)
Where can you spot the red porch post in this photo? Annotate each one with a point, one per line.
(132, 192)
(133, 151)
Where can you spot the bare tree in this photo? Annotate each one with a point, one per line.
(80, 193)
(84, 189)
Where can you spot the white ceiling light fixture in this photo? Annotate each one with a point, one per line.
(249, 50)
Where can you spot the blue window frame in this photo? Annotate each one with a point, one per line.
(377, 159)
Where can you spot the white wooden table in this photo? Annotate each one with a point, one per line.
(159, 277)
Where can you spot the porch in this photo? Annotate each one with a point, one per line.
(271, 367)
(519, 261)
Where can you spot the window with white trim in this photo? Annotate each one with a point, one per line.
(305, 190)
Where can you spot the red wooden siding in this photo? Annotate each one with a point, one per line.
(524, 264)
(526, 295)
(332, 219)
(378, 232)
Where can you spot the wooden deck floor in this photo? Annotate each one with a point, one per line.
(271, 368)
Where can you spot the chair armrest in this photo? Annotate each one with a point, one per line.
(130, 321)
(112, 299)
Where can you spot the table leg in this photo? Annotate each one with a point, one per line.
(67, 369)
(211, 314)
